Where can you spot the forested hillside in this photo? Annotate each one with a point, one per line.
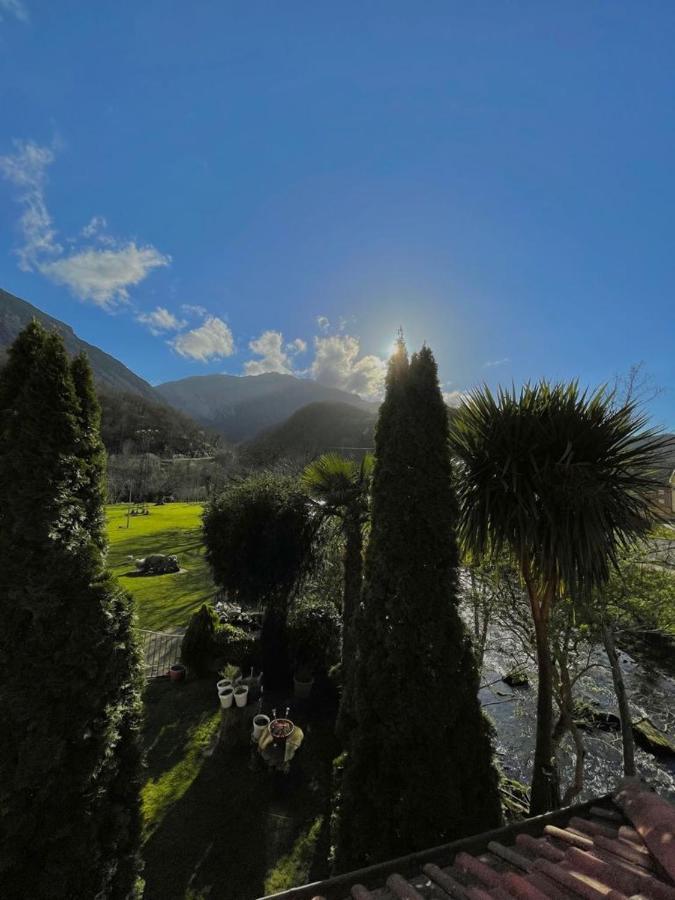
(132, 424)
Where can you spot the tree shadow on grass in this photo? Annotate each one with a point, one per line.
(232, 824)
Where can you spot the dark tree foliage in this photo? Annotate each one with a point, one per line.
(132, 424)
(419, 766)
(198, 644)
(260, 536)
(91, 452)
(69, 699)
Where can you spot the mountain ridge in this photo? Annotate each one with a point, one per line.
(109, 372)
(241, 406)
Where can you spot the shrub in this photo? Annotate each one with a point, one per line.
(198, 645)
(314, 634)
(237, 646)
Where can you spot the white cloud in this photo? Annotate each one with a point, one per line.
(26, 170)
(296, 347)
(104, 276)
(14, 8)
(455, 398)
(193, 309)
(274, 357)
(336, 364)
(212, 340)
(323, 323)
(94, 226)
(100, 275)
(496, 362)
(160, 320)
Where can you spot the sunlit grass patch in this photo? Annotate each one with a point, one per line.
(162, 601)
(159, 794)
(294, 868)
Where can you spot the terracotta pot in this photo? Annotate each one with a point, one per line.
(177, 672)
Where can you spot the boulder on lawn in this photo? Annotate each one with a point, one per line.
(157, 564)
(652, 739)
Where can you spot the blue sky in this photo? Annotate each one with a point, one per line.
(246, 186)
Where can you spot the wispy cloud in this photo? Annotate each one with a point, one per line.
(297, 347)
(95, 225)
(102, 275)
(194, 309)
(323, 323)
(26, 171)
(212, 340)
(160, 320)
(14, 8)
(496, 362)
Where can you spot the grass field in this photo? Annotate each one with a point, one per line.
(163, 602)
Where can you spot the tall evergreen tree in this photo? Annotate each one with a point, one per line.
(419, 767)
(69, 699)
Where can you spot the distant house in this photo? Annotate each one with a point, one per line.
(664, 496)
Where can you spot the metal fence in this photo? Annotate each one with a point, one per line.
(161, 649)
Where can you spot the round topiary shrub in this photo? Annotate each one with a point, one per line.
(314, 635)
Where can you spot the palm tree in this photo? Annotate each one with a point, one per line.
(339, 488)
(561, 479)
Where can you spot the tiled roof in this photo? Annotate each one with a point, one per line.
(619, 847)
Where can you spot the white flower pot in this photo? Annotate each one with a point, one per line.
(260, 723)
(224, 683)
(241, 695)
(225, 696)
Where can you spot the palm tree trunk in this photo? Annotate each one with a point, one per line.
(622, 702)
(545, 790)
(353, 577)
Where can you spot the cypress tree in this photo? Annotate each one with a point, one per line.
(69, 700)
(418, 770)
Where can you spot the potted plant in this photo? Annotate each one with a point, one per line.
(229, 676)
(303, 682)
(241, 695)
(260, 723)
(314, 634)
(177, 672)
(225, 697)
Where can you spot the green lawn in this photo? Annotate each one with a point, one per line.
(162, 601)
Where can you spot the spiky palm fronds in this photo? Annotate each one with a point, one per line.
(338, 483)
(560, 476)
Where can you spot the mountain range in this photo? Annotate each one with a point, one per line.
(239, 407)
(236, 407)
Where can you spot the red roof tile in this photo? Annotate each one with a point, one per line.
(595, 851)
